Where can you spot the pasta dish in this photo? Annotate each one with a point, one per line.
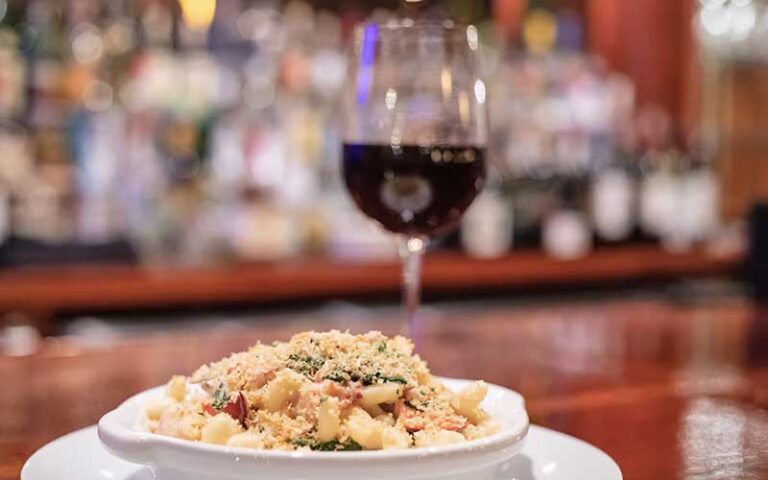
(325, 391)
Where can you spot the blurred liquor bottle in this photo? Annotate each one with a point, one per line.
(42, 206)
(613, 200)
(15, 162)
(679, 200)
(566, 230)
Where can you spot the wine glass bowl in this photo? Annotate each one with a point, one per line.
(410, 189)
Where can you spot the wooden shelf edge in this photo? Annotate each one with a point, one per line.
(122, 287)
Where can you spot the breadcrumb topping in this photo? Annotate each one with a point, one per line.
(325, 391)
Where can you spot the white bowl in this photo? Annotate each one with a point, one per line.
(171, 458)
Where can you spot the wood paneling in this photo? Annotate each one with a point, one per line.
(743, 142)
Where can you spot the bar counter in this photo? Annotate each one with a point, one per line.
(671, 388)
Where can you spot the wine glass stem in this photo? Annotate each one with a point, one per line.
(411, 253)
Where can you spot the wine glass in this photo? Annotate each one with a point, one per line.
(415, 132)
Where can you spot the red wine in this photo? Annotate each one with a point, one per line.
(411, 189)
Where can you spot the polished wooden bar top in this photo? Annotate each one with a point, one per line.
(670, 388)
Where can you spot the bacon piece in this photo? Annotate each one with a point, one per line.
(237, 409)
(452, 422)
(414, 420)
(261, 379)
(351, 392)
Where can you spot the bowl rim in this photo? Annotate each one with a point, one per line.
(115, 434)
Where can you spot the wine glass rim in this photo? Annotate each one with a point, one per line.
(408, 23)
(407, 30)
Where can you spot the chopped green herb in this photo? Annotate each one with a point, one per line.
(341, 376)
(382, 347)
(330, 446)
(411, 405)
(303, 442)
(305, 363)
(379, 378)
(336, 446)
(336, 377)
(220, 397)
